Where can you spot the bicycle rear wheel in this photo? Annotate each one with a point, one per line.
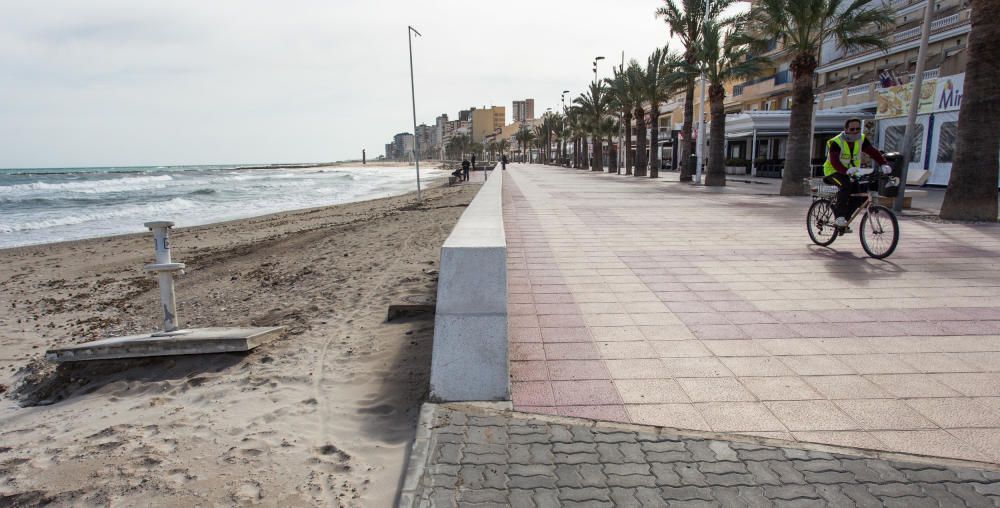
(879, 232)
(819, 223)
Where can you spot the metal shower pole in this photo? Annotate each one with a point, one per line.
(413, 97)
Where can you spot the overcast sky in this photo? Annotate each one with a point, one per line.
(120, 82)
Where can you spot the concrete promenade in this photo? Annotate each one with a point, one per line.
(653, 302)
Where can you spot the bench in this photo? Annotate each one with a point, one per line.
(452, 180)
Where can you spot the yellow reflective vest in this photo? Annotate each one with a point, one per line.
(848, 157)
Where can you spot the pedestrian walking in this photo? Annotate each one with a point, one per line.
(465, 168)
(503, 162)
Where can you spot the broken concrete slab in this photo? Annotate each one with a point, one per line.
(188, 342)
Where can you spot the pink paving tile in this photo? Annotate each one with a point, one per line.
(569, 370)
(607, 320)
(937, 362)
(594, 297)
(702, 318)
(797, 316)
(678, 301)
(526, 351)
(514, 309)
(550, 288)
(873, 329)
(666, 332)
(560, 321)
(820, 329)
(522, 321)
(520, 298)
(650, 391)
(972, 384)
(571, 334)
(718, 296)
(601, 308)
(525, 334)
(937, 443)
(636, 369)
(885, 414)
(571, 351)
(645, 307)
(542, 281)
(733, 306)
(811, 415)
(782, 347)
(533, 370)
(912, 385)
(717, 389)
(746, 318)
(986, 313)
(713, 332)
(679, 348)
(739, 417)
(848, 438)
(518, 288)
(877, 364)
(609, 413)
(738, 347)
(667, 287)
(554, 298)
(986, 441)
(695, 367)
(780, 388)
(919, 328)
(768, 331)
(626, 350)
(532, 393)
(616, 333)
(816, 365)
(543, 410)
(756, 366)
(556, 308)
(676, 416)
(957, 412)
(970, 327)
(585, 392)
(652, 319)
(638, 297)
(846, 345)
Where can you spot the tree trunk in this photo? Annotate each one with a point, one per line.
(716, 174)
(612, 152)
(627, 143)
(797, 156)
(596, 164)
(640, 142)
(972, 186)
(654, 141)
(687, 144)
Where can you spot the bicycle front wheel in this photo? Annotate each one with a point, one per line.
(879, 232)
(819, 223)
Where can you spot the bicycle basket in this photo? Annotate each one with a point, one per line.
(816, 187)
(889, 187)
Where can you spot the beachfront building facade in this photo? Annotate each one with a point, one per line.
(524, 110)
(879, 83)
(487, 122)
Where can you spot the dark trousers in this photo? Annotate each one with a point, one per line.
(465, 174)
(846, 203)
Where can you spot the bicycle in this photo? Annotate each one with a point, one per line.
(879, 229)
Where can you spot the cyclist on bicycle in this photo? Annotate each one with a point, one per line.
(842, 167)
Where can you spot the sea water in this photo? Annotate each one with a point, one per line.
(57, 204)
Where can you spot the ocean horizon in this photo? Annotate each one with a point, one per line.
(46, 205)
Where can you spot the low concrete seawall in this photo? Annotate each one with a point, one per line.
(470, 325)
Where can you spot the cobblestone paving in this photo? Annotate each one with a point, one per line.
(471, 456)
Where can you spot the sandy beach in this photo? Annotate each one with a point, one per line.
(322, 415)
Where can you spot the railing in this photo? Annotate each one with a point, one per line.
(738, 90)
(897, 3)
(907, 34)
(945, 21)
(859, 90)
(931, 74)
(834, 95)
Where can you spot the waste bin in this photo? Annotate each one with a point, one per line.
(895, 159)
(692, 164)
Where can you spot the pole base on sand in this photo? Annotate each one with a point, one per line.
(194, 341)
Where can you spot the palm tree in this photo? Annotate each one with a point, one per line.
(607, 129)
(724, 56)
(972, 186)
(458, 146)
(503, 146)
(524, 137)
(685, 22)
(638, 77)
(659, 81)
(540, 139)
(803, 25)
(594, 105)
(622, 89)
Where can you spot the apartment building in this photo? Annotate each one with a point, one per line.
(486, 122)
(880, 82)
(524, 110)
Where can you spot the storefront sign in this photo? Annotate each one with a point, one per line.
(895, 101)
(949, 91)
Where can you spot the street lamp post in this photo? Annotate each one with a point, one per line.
(562, 97)
(413, 97)
(592, 140)
(701, 109)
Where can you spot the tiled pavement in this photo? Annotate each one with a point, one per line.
(653, 302)
(474, 456)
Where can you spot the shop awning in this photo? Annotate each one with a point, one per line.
(775, 123)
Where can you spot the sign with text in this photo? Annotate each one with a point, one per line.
(895, 100)
(948, 93)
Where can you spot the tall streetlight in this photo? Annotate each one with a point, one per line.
(562, 98)
(592, 140)
(413, 96)
(701, 109)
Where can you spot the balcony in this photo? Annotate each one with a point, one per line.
(783, 77)
(765, 85)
